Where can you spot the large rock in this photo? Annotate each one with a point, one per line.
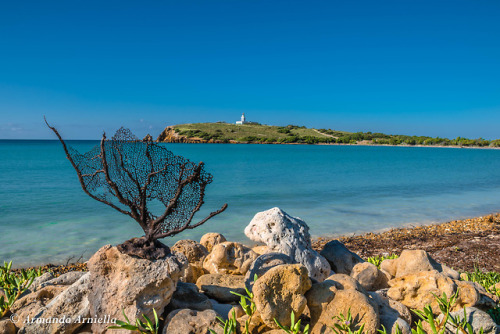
(362, 309)
(341, 259)
(7, 327)
(288, 235)
(71, 304)
(321, 294)
(187, 295)
(229, 258)
(209, 240)
(370, 277)
(415, 261)
(219, 286)
(418, 290)
(65, 279)
(279, 292)
(263, 264)
(393, 315)
(29, 305)
(120, 281)
(188, 321)
(195, 252)
(478, 320)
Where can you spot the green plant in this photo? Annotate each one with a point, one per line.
(294, 327)
(14, 285)
(377, 260)
(346, 324)
(485, 279)
(144, 327)
(228, 326)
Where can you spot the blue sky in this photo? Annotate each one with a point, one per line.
(401, 67)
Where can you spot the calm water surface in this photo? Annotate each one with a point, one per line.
(46, 217)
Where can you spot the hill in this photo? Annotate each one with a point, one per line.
(221, 132)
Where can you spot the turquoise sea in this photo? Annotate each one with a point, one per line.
(46, 217)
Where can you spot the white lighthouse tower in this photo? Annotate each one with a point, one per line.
(243, 120)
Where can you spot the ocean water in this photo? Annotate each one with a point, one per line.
(46, 217)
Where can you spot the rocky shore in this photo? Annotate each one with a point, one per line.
(288, 276)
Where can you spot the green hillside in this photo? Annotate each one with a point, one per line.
(221, 132)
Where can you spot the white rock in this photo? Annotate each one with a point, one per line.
(288, 235)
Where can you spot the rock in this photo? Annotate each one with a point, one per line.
(238, 312)
(7, 327)
(369, 276)
(392, 314)
(120, 281)
(262, 265)
(341, 259)
(65, 279)
(477, 318)
(187, 295)
(321, 294)
(29, 305)
(279, 292)
(362, 308)
(209, 240)
(192, 273)
(37, 282)
(188, 321)
(418, 290)
(194, 251)
(229, 258)
(221, 309)
(255, 326)
(219, 286)
(285, 234)
(71, 304)
(261, 249)
(415, 261)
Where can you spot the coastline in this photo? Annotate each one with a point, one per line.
(461, 244)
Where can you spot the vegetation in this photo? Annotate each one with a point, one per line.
(257, 133)
(377, 260)
(13, 285)
(144, 327)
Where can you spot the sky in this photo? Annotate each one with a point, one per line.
(398, 67)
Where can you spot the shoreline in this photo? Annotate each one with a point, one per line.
(462, 244)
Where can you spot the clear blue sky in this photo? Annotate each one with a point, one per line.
(402, 67)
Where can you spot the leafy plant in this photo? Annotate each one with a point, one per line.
(144, 327)
(377, 260)
(14, 285)
(228, 326)
(294, 327)
(346, 324)
(485, 279)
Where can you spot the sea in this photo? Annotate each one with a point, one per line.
(45, 217)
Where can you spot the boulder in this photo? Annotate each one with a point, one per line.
(209, 240)
(37, 282)
(255, 326)
(362, 309)
(229, 258)
(219, 287)
(392, 314)
(370, 277)
(279, 292)
(478, 320)
(187, 295)
(192, 273)
(260, 249)
(65, 279)
(29, 305)
(418, 290)
(415, 261)
(262, 265)
(341, 259)
(188, 321)
(137, 286)
(7, 327)
(71, 304)
(195, 252)
(288, 235)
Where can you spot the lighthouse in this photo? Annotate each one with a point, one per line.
(243, 120)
